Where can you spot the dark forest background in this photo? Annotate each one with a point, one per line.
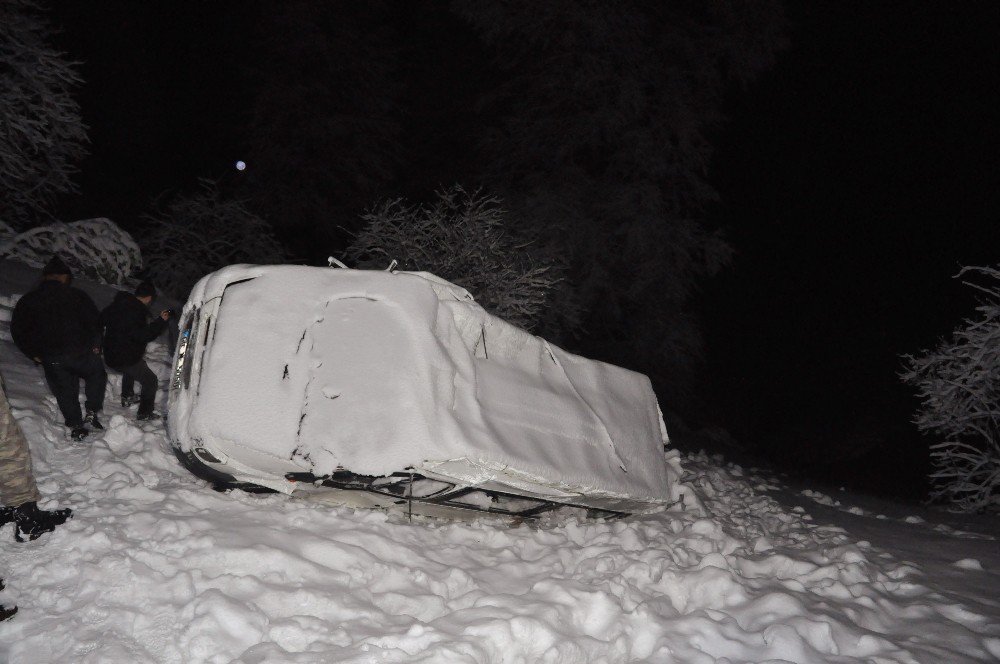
(592, 122)
(761, 207)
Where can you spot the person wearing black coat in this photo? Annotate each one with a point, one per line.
(127, 330)
(57, 326)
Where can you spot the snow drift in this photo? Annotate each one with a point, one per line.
(155, 567)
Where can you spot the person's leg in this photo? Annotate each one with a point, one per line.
(128, 387)
(148, 382)
(17, 484)
(90, 367)
(18, 493)
(6, 612)
(95, 378)
(65, 387)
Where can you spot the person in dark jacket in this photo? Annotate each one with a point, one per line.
(57, 326)
(127, 330)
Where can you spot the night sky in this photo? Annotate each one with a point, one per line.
(856, 177)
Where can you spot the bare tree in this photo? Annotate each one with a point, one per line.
(42, 134)
(198, 233)
(959, 387)
(462, 236)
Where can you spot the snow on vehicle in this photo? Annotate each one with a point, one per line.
(397, 390)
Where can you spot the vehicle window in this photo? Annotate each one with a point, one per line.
(185, 348)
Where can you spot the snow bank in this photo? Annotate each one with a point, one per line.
(156, 567)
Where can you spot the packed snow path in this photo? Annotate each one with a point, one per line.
(157, 567)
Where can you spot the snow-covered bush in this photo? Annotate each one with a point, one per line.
(462, 237)
(197, 233)
(6, 232)
(42, 134)
(959, 386)
(95, 248)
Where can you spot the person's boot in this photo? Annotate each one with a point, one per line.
(34, 522)
(148, 417)
(91, 419)
(79, 433)
(6, 612)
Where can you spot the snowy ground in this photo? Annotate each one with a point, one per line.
(157, 567)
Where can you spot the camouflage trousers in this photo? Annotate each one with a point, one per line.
(17, 484)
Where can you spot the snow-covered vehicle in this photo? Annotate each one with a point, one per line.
(396, 389)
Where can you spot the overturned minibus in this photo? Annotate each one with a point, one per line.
(396, 389)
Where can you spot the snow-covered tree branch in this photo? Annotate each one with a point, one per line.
(959, 387)
(198, 233)
(462, 236)
(95, 248)
(42, 134)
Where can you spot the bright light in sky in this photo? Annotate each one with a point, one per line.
(241, 165)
